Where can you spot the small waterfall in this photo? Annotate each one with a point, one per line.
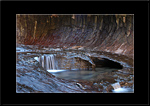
(50, 62)
(47, 61)
(42, 59)
(116, 86)
(118, 89)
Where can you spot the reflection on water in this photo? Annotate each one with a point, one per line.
(80, 74)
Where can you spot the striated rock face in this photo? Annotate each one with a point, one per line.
(110, 33)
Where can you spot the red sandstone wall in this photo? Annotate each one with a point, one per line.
(111, 33)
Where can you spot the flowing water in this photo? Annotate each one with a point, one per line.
(48, 62)
(119, 89)
(123, 90)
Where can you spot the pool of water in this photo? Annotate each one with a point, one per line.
(80, 74)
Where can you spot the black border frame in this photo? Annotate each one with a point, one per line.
(141, 15)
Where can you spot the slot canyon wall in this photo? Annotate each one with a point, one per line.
(78, 42)
(110, 33)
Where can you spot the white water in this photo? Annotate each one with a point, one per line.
(36, 58)
(47, 61)
(50, 62)
(116, 85)
(118, 89)
(55, 70)
(123, 90)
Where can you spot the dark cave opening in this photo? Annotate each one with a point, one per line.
(106, 63)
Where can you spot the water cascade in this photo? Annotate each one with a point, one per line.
(119, 89)
(116, 86)
(50, 62)
(47, 61)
